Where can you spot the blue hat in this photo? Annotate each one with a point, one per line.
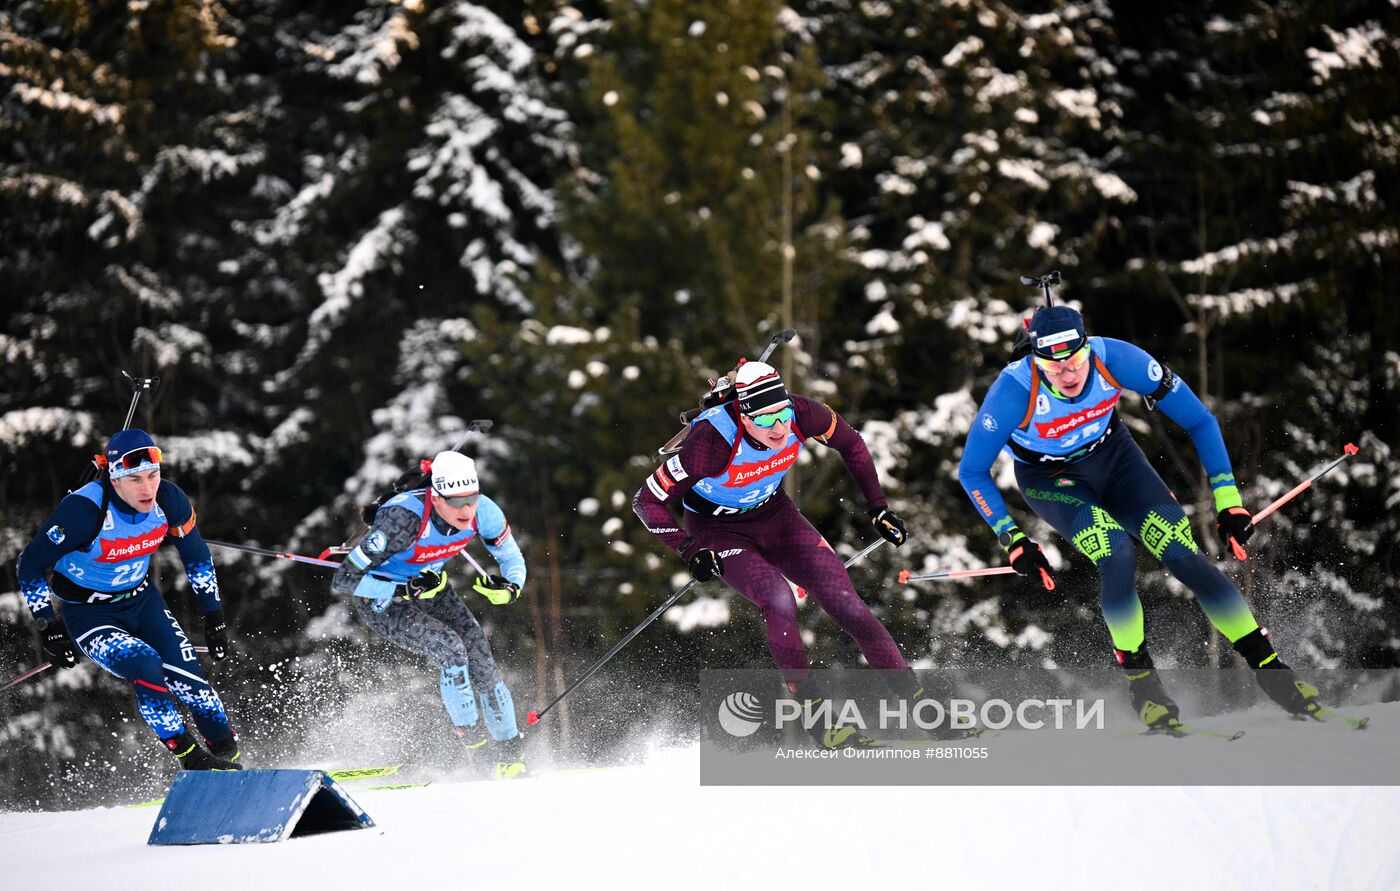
(1056, 331)
(126, 442)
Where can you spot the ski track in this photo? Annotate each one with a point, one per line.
(654, 826)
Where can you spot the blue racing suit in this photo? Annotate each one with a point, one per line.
(1082, 472)
(99, 551)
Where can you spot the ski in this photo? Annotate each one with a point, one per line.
(1178, 730)
(972, 734)
(363, 773)
(152, 803)
(340, 776)
(1327, 714)
(370, 773)
(575, 771)
(546, 773)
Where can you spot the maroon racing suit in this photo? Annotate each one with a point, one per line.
(765, 545)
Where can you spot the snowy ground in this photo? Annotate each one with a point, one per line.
(653, 826)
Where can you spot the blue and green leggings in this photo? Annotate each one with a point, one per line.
(1104, 502)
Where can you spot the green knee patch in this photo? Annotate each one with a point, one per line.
(1093, 540)
(1158, 533)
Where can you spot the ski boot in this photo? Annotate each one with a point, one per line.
(1153, 706)
(1293, 694)
(193, 757)
(509, 763)
(479, 759)
(905, 684)
(838, 736)
(949, 733)
(843, 737)
(470, 738)
(226, 749)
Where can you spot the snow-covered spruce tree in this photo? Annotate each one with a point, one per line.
(688, 113)
(382, 140)
(115, 119)
(419, 147)
(698, 125)
(1270, 248)
(978, 142)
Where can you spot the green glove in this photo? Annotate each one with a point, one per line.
(425, 585)
(496, 589)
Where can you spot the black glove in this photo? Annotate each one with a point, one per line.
(425, 585)
(1029, 560)
(890, 526)
(705, 564)
(497, 589)
(216, 635)
(1236, 523)
(53, 637)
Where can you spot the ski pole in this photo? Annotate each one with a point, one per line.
(475, 565)
(533, 717)
(267, 552)
(1347, 451)
(472, 561)
(905, 576)
(1240, 553)
(281, 555)
(27, 675)
(863, 553)
(44, 666)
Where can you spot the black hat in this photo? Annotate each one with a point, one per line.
(1056, 332)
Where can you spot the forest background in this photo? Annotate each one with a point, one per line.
(337, 232)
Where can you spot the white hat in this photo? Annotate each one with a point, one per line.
(454, 474)
(758, 386)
